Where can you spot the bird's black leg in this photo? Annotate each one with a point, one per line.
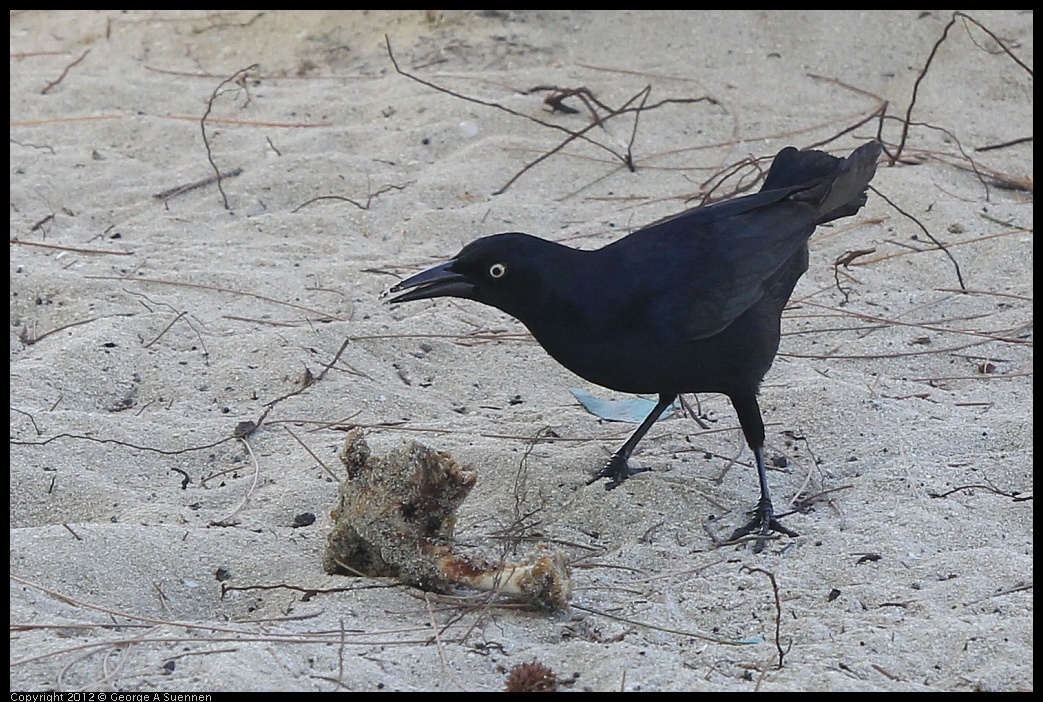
(617, 468)
(764, 521)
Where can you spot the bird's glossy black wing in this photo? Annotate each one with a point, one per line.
(714, 269)
(711, 264)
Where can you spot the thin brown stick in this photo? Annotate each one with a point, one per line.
(930, 58)
(60, 120)
(1004, 144)
(362, 206)
(31, 419)
(441, 645)
(230, 519)
(778, 608)
(152, 449)
(182, 189)
(626, 159)
(315, 457)
(166, 328)
(572, 136)
(911, 250)
(1023, 298)
(495, 105)
(218, 288)
(940, 245)
(919, 325)
(29, 339)
(238, 75)
(995, 38)
(74, 249)
(667, 630)
(629, 161)
(916, 89)
(54, 83)
(252, 122)
(974, 167)
(179, 315)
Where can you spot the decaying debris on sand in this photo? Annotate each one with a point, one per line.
(395, 517)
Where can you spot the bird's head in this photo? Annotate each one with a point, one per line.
(511, 272)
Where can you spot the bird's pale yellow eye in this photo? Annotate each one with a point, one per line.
(497, 270)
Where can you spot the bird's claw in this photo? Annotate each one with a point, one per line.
(617, 469)
(763, 523)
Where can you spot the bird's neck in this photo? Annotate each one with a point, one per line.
(571, 291)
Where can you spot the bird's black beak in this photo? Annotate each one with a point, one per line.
(438, 281)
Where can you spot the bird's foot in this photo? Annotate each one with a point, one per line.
(763, 523)
(617, 469)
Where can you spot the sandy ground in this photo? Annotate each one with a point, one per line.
(144, 329)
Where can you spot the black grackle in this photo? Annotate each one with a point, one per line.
(689, 304)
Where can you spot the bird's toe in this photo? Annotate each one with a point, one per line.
(617, 469)
(763, 525)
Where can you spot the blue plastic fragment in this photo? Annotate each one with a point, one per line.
(633, 410)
